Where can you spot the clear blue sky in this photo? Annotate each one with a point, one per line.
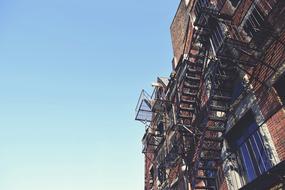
(70, 75)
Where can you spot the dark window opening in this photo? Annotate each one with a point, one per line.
(280, 88)
(246, 140)
(238, 89)
(151, 174)
(234, 2)
(255, 27)
(161, 174)
(160, 128)
(254, 22)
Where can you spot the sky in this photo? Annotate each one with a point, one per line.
(71, 72)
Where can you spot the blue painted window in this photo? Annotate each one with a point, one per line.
(246, 140)
(247, 162)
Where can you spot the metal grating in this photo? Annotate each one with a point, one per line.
(143, 108)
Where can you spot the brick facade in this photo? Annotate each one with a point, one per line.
(219, 120)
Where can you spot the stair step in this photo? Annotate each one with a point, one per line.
(216, 129)
(199, 39)
(195, 64)
(208, 168)
(215, 139)
(185, 116)
(188, 101)
(197, 56)
(209, 158)
(185, 132)
(217, 119)
(187, 109)
(187, 126)
(189, 94)
(205, 178)
(218, 108)
(202, 32)
(211, 149)
(193, 78)
(219, 97)
(192, 70)
(195, 47)
(199, 25)
(187, 85)
(205, 187)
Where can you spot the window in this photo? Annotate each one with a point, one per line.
(218, 35)
(161, 173)
(151, 176)
(245, 139)
(279, 87)
(160, 128)
(256, 27)
(238, 89)
(254, 22)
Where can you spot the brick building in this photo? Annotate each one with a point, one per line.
(218, 121)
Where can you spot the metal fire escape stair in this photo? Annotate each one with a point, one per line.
(189, 92)
(207, 155)
(206, 158)
(191, 86)
(187, 106)
(208, 187)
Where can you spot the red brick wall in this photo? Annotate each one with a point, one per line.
(274, 55)
(276, 126)
(148, 163)
(174, 172)
(178, 30)
(224, 185)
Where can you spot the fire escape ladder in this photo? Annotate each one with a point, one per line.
(190, 86)
(207, 157)
(203, 10)
(230, 49)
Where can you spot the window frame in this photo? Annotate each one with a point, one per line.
(246, 141)
(255, 26)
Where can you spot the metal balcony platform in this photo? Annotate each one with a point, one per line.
(143, 108)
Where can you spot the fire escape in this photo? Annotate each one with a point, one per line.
(228, 53)
(218, 52)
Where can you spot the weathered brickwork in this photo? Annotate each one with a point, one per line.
(276, 126)
(178, 31)
(219, 121)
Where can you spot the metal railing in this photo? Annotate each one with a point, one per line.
(143, 108)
